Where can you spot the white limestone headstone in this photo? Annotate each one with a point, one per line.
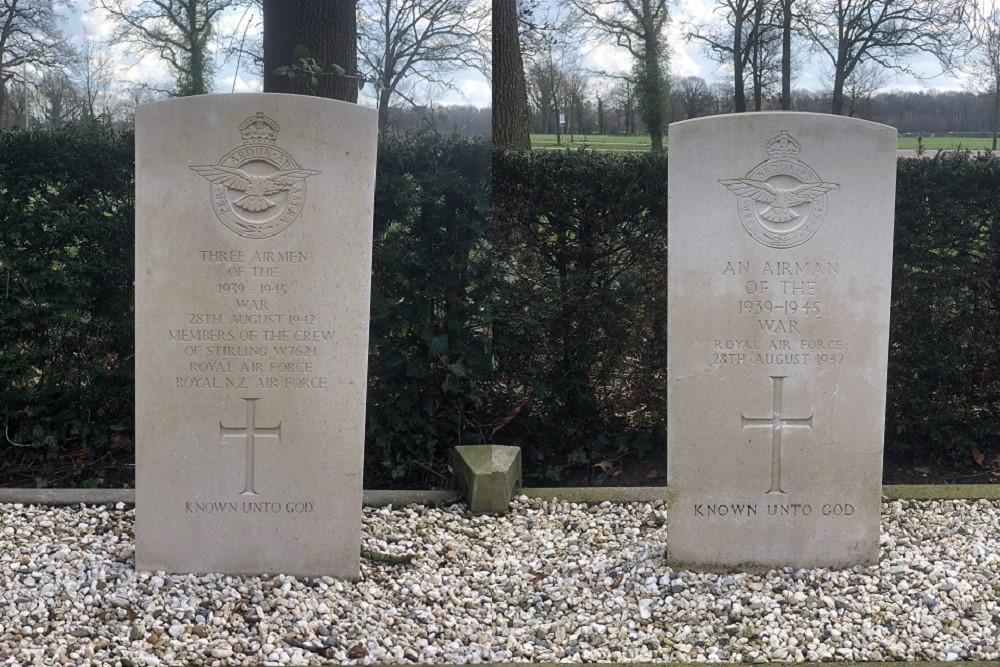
(780, 264)
(252, 278)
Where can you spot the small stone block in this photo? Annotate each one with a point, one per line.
(488, 475)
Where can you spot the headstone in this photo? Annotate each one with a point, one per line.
(780, 264)
(252, 278)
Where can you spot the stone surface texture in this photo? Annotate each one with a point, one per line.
(253, 262)
(488, 475)
(552, 581)
(780, 266)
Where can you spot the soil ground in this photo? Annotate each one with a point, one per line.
(116, 470)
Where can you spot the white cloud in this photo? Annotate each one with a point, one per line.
(601, 57)
(476, 91)
(238, 84)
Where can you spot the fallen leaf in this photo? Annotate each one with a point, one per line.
(617, 582)
(132, 613)
(120, 441)
(652, 474)
(995, 473)
(925, 470)
(357, 652)
(616, 472)
(605, 465)
(538, 576)
(978, 457)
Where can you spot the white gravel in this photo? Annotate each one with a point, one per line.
(550, 582)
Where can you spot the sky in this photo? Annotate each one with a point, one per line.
(470, 87)
(813, 74)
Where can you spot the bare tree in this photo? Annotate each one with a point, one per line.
(420, 40)
(244, 42)
(861, 86)
(692, 97)
(29, 36)
(722, 96)
(984, 65)
(134, 96)
(19, 103)
(546, 84)
(886, 32)
(623, 98)
(744, 37)
(94, 71)
(59, 100)
(575, 103)
(176, 30)
(510, 101)
(638, 26)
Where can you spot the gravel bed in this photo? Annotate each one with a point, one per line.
(551, 581)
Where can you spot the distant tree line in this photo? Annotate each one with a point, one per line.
(593, 106)
(911, 112)
(758, 45)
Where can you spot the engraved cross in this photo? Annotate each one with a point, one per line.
(251, 432)
(777, 424)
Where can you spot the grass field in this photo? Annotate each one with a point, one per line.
(947, 143)
(599, 142)
(604, 142)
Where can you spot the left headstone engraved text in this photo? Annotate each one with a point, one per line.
(251, 331)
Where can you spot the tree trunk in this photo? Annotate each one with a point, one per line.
(195, 83)
(510, 99)
(328, 29)
(739, 96)
(656, 142)
(996, 111)
(837, 107)
(559, 133)
(384, 96)
(786, 55)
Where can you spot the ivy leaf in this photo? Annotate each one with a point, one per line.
(300, 52)
(439, 345)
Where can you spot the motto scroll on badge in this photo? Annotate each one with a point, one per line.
(781, 201)
(257, 189)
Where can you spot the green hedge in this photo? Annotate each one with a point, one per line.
(429, 346)
(66, 264)
(580, 305)
(944, 350)
(541, 325)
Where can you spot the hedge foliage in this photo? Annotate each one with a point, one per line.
(580, 243)
(531, 314)
(66, 264)
(944, 350)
